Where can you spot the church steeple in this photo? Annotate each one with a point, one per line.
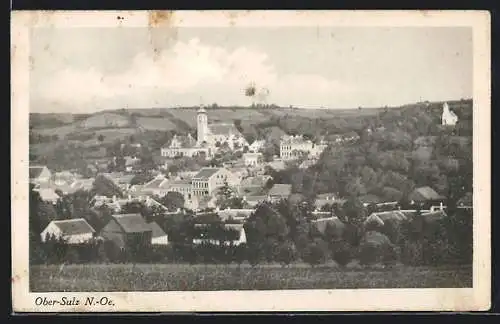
(202, 124)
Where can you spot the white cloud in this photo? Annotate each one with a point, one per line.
(189, 67)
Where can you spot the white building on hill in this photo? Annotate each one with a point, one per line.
(209, 138)
(448, 118)
(292, 147)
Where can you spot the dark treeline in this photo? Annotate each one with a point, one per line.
(282, 232)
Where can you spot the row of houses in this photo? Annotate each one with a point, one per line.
(128, 230)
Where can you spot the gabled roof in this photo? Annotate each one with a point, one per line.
(35, 171)
(206, 173)
(370, 199)
(154, 184)
(74, 226)
(434, 216)
(48, 194)
(322, 223)
(132, 223)
(156, 230)
(280, 189)
(382, 217)
(425, 193)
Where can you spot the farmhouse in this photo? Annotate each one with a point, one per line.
(39, 174)
(126, 230)
(72, 231)
(425, 196)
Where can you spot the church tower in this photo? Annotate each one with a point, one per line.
(202, 125)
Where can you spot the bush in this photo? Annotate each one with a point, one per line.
(315, 253)
(376, 247)
(287, 253)
(342, 253)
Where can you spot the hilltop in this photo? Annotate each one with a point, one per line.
(90, 136)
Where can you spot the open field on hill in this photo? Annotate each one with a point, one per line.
(185, 277)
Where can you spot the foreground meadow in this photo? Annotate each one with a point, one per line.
(184, 277)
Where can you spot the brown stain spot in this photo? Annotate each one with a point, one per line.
(160, 19)
(15, 278)
(157, 18)
(250, 90)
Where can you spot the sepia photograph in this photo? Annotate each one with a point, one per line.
(276, 160)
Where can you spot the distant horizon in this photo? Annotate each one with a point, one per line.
(250, 107)
(84, 70)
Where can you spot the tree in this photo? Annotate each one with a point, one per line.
(100, 138)
(172, 200)
(287, 253)
(316, 252)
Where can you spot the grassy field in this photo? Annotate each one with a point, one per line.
(183, 277)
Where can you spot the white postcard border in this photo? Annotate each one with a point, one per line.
(460, 299)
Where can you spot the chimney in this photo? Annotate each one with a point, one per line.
(114, 198)
(129, 197)
(441, 206)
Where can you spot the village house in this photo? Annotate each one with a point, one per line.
(158, 236)
(448, 117)
(253, 159)
(237, 215)
(257, 145)
(159, 186)
(122, 180)
(186, 146)
(71, 231)
(126, 230)
(334, 222)
(424, 197)
(66, 188)
(292, 147)
(378, 219)
(279, 191)
(117, 204)
(208, 180)
(39, 174)
(253, 200)
(234, 235)
(48, 194)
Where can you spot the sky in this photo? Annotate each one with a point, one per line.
(84, 70)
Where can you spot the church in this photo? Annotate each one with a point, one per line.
(216, 134)
(210, 137)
